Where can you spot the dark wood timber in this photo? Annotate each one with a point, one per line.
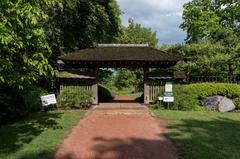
(115, 56)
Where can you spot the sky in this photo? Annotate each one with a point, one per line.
(162, 16)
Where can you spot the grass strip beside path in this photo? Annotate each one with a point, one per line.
(38, 136)
(204, 135)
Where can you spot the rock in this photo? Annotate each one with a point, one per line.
(211, 103)
(220, 103)
(226, 105)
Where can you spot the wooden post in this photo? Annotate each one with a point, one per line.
(95, 89)
(95, 92)
(146, 86)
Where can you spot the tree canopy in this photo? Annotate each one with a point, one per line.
(213, 36)
(24, 50)
(207, 58)
(83, 23)
(216, 20)
(33, 33)
(137, 34)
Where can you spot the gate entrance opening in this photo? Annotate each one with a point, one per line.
(115, 56)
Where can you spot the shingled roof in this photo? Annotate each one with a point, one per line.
(120, 53)
(75, 75)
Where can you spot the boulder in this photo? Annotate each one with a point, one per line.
(211, 103)
(226, 105)
(219, 103)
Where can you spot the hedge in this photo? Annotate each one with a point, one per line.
(104, 94)
(74, 97)
(16, 104)
(189, 96)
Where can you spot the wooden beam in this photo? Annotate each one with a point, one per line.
(146, 86)
(95, 93)
(95, 89)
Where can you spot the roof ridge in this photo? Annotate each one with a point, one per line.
(123, 45)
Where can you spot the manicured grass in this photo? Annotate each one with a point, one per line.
(128, 93)
(38, 136)
(204, 135)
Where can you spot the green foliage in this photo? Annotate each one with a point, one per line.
(213, 20)
(11, 105)
(207, 58)
(17, 103)
(91, 22)
(213, 34)
(124, 78)
(139, 80)
(106, 78)
(140, 99)
(188, 97)
(134, 34)
(237, 103)
(137, 34)
(104, 94)
(31, 97)
(74, 97)
(24, 50)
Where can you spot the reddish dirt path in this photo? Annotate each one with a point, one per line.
(118, 131)
(124, 98)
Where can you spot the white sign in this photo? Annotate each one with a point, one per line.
(168, 99)
(160, 98)
(168, 87)
(48, 100)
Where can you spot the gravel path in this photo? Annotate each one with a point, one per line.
(118, 131)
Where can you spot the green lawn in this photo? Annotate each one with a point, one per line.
(127, 92)
(204, 135)
(38, 136)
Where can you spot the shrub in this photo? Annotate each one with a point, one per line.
(32, 98)
(11, 105)
(104, 94)
(74, 97)
(140, 99)
(16, 104)
(237, 103)
(188, 97)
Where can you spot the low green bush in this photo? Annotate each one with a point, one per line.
(189, 96)
(32, 98)
(237, 102)
(140, 99)
(74, 97)
(16, 104)
(104, 94)
(11, 105)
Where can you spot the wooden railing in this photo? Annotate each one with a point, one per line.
(214, 78)
(155, 89)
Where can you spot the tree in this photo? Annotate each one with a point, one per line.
(215, 20)
(84, 23)
(213, 36)
(134, 34)
(137, 34)
(206, 58)
(24, 50)
(124, 78)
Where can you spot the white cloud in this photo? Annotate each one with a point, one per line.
(163, 16)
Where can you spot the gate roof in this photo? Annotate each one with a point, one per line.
(120, 55)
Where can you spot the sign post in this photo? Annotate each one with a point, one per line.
(48, 100)
(168, 95)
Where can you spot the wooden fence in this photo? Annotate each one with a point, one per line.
(214, 78)
(156, 86)
(89, 85)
